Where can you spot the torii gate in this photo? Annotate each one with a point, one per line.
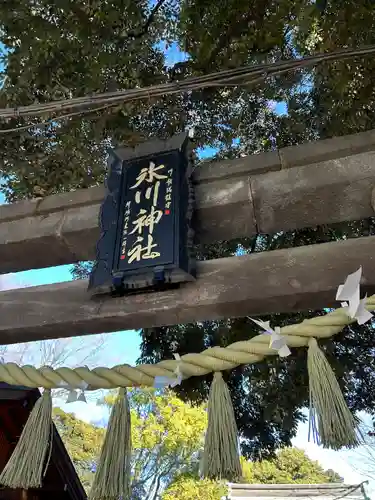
(325, 182)
(300, 186)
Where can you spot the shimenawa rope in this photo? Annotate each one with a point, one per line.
(331, 419)
(213, 359)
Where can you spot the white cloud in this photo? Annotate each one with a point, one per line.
(89, 412)
(10, 282)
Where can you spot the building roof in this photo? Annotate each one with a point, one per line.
(61, 481)
(330, 491)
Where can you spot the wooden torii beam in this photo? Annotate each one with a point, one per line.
(278, 281)
(301, 186)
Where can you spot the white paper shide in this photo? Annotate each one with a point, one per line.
(349, 296)
(277, 341)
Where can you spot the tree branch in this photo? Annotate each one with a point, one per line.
(157, 486)
(143, 31)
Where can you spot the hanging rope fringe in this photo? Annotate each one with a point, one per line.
(221, 457)
(30, 458)
(331, 421)
(192, 365)
(113, 474)
(330, 418)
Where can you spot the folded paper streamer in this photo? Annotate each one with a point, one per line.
(350, 293)
(72, 396)
(83, 385)
(82, 397)
(277, 341)
(160, 382)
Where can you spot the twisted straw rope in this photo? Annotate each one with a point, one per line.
(191, 365)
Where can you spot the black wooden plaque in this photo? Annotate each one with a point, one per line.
(145, 220)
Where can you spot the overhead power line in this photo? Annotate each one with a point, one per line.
(246, 75)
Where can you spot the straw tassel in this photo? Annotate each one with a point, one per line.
(221, 458)
(113, 475)
(30, 458)
(330, 420)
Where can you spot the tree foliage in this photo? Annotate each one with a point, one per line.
(167, 438)
(83, 442)
(63, 50)
(290, 466)
(187, 487)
